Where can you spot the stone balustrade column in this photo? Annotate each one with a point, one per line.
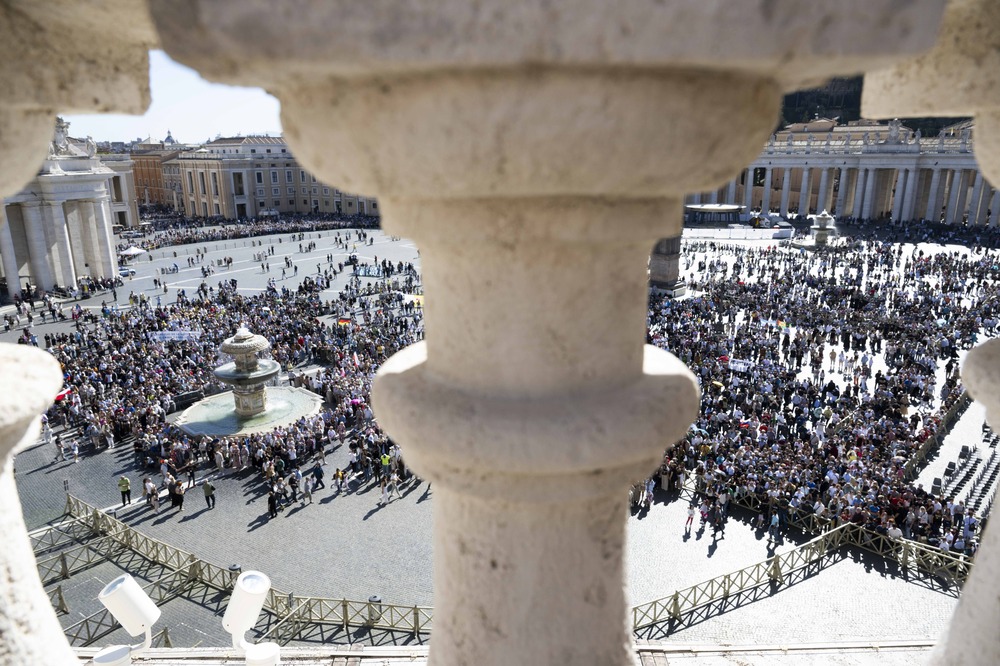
(928, 86)
(29, 630)
(38, 251)
(535, 157)
(8, 256)
(933, 213)
(786, 190)
(805, 194)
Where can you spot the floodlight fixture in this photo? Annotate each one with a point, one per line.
(244, 607)
(135, 611)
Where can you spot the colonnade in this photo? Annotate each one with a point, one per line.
(53, 243)
(908, 193)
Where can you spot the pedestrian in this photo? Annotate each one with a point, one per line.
(209, 491)
(149, 489)
(60, 451)
(338, 477)
(125, 487)
(154, 500)
(179, 494)
(318, 477)
(774, 530)
(272, 504)
(307, 487)
(384, 497)
(76, 451)
(690, 518)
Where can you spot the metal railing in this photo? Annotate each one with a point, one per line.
(293, 613)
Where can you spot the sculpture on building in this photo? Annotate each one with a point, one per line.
(60, 141)
(894, 127)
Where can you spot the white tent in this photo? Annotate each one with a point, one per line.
(132, 251)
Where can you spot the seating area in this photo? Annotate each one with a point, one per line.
(973, 478)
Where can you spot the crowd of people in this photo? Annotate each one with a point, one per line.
(794, 411)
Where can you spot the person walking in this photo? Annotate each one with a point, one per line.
(125, 488)
(60, 450)
(272, 504)
(179, 495)
(384, 497)
(690, 518)
(209, 491)
(318, 477)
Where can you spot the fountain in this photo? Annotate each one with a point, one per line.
(254, 406)
(821, 231)
(247, 374)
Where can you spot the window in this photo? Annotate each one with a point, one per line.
(315, 190)
(326, 203)
(305, 202)
(291, 190)
(204, 209)
(260, 191)
(253, 150)
(275, 191)
(315, 203)
(314, 179)
(302, 176)
(276, 203)
(326, 191)
(260, 205)
(201, 182)
(268, 150)
(260, 177)
(238, 184)
(190, 181)
(305, 190)
(291, 202)
(215, 184)
(274, 177)
(283, 150)
(288, 176)
(218, 211)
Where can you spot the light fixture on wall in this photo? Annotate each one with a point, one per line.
(245, 605)
(136, 612)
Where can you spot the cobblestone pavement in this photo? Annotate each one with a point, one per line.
(344, 545)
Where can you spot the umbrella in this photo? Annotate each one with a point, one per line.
(132, 251)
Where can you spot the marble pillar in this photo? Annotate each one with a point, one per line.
(786, 190)
(805, 194)
(977, 195)
(38, 251)
(731, 192)
(869, 201)
(859, 192)
(105, 240)
(55, 221)
(765, 202)
(933, 213)
(8, 256)
(823, 198)
(748, 192)
(898, 195)
(994, 208)
(955, 196)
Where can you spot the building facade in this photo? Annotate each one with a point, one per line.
(58, 228)
(865, 171)
(253, 176)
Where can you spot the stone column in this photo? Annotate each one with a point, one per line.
(994, 208)
(897, 194)
(731, 192)
(859, 193)
(805, 194)
(105, 242)
(984, 204)
(910, 195)
(664, 267)
(38, 251)
(765, 202)
(55, 221)
(8, 256)
(977, 194)
(748, 192)
(869, 201)
(933, 213)
(844, 183)
(954, 193)
(824, 190)
(786, 189)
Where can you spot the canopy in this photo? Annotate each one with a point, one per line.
(132, 251)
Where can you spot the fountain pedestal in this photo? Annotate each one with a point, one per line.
(247, 374)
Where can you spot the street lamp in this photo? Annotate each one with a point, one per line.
(135, 611)
(241, 614)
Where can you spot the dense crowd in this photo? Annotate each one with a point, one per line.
(793, 410)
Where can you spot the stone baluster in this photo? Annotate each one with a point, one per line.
(928, 86)
(533, 403)
(29, 630)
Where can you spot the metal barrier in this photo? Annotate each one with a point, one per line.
(293, 613)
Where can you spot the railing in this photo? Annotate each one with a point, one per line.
(293, 613)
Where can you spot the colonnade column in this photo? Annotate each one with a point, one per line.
(731, 192)
(897, 195)
(786, 189)
(38, 252)
(994, 208)
(748, 191)
(843, 183)
(933, 213)
(805, 193)
(824, 190)
(869, 200)
(910, 194)
(859, 192)
(55, 219)
(765, 202)
(983, 204)
(8, 256)
(955, 193)
(105, 244)
(977, 194)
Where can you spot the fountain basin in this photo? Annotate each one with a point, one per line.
(214, 415)
(265, 371)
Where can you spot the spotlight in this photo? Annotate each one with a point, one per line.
(241, 614)
(136, 612)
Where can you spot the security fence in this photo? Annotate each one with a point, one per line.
(292, 614)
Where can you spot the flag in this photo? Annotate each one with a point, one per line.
(343, 321)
